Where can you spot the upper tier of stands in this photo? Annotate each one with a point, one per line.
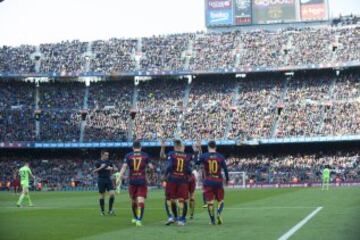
(189, 51)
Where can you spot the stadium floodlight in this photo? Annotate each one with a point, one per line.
(240, 75)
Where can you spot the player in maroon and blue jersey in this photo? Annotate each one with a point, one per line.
(177, 175)
(213, 162)
(137, 161)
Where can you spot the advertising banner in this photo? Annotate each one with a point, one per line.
(242, 12)
(219, 4)
(313, 10)
(222, 17)
(273, 11)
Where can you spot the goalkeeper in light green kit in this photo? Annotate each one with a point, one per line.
(25, 173)
(325, 178)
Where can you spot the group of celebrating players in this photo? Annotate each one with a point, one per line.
(180, 181)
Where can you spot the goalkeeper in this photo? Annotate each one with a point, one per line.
(325, 178)
(25, 173)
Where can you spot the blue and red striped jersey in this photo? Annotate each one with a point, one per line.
(137, 162)
(213, 164)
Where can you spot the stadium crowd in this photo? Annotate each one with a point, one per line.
(216, 108)
(205, 51)
(302, 167)
(67, 173)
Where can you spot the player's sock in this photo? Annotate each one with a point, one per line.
(211, 212)
(204, 200)
(141, 208)
(185, 211)
(111, 203)
(181, 210)
(220, 207)
(192, 207)
(21, 198)
(134, 207)
(102, 204)
(174, 209)
(167, 208)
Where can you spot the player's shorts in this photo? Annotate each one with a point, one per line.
(137, 191)
(212, 193)
(192, 185)
(105, 185)
(177, 190)
(25, 184)
(326, 179)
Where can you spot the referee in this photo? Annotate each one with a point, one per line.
(104, 167)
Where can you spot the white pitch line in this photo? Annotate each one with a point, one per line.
(300, 224)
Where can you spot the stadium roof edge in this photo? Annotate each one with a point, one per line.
(334, 66)
(115, 144)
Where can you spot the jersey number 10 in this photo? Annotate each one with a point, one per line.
(213, 166)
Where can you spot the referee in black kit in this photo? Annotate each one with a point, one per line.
(104, 167)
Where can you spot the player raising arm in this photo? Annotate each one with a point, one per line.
(213, 163)
(24, 173)
(104, 168)
(137, 162)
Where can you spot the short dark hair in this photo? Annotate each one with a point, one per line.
(177, 143)
(212, 144)
(103, 151)
(136, 144)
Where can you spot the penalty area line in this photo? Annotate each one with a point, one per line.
(295, 228)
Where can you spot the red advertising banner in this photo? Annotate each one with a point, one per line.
(312, 10)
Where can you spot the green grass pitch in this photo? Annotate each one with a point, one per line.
(248, 214)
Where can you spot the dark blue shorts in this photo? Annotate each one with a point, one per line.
(105, 185)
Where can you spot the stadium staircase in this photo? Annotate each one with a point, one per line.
(180, 121)
(37, 108)
(137, 54)
(280, 102)
(188, 53)
(238, 52)
(83, 121)
(36, 57)
(131, 122)
(88, 56)
(323, 108)
(230, 116)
